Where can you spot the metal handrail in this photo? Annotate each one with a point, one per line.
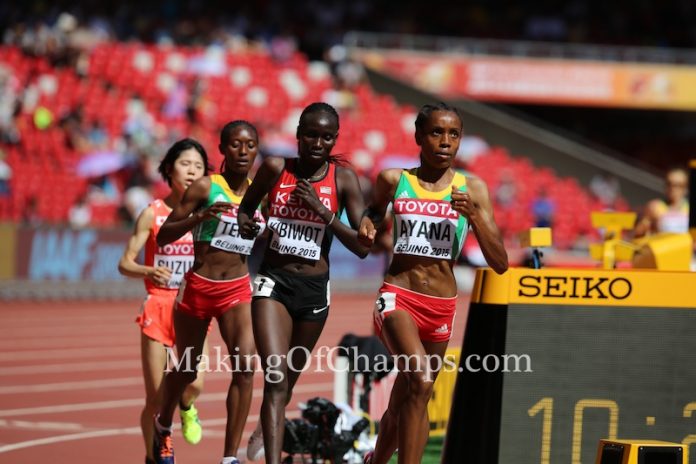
(518, 48)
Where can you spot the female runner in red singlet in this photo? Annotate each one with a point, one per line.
(163, 270)
(291, 290)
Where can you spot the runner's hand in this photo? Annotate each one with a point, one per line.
(367, 232)
(461, 203)
(249, 229)
(160, 275)
(213, 211)
(305, 192)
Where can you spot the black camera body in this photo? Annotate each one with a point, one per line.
(314, 434)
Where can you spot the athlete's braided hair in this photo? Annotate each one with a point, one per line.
(427, 110)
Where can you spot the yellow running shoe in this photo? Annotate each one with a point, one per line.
(190, 425)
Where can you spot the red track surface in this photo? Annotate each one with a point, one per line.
(71, 388)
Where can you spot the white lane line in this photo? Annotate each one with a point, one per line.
(96, 366)
(63, 386)
(73, 341)
(252, 418)
(69, 353)
(85, 384)
(117, 404)
(89, 384)
(70, 437)
(43, 425)
(123, 431)
(61, 330)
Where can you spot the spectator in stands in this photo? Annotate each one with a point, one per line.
(605, 188)
(291, 290)
(138, 190)
(5, 175)
(30, 213)
(505, 193)
(276, 142)
(139, 125)
(668, 214)
(103, 189)
(543, 209)
(185, 162)
(97, 136)
(347, 75)
(72, 123)
(283, 46)
(471, 148)
(416, 306)
(177, 101)
(135, 199)
(9, 106)
(80, 213)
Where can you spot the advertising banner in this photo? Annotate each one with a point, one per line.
(541, 81)
(69, 255)
(63, 254)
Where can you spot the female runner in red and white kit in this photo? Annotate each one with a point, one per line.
(163, 270)
(291, 290)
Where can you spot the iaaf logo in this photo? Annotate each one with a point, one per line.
(439, 208)
(618, 288)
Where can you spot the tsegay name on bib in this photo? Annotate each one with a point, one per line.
(227, 233)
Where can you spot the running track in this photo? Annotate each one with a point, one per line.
(71, 388)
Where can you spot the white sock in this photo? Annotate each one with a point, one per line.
(161, 428)
(228, 460)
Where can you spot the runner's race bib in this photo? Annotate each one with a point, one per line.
(425, 228)
(178, 258)
(297, 237)
(227, 234)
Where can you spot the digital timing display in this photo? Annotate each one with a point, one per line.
(597, 372)
(554, 360)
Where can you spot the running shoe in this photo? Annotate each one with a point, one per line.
(233, 461)
(162, 448)
(190, 425)
(255, 449)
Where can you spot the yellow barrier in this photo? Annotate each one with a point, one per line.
(441, 402)
(8, 246)
(641, 451)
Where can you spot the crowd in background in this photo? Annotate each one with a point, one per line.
(316, 25)
(65, 34)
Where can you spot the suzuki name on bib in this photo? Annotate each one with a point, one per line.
(227, 236)
(425, 236)
(295, 237)
(178, 264)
